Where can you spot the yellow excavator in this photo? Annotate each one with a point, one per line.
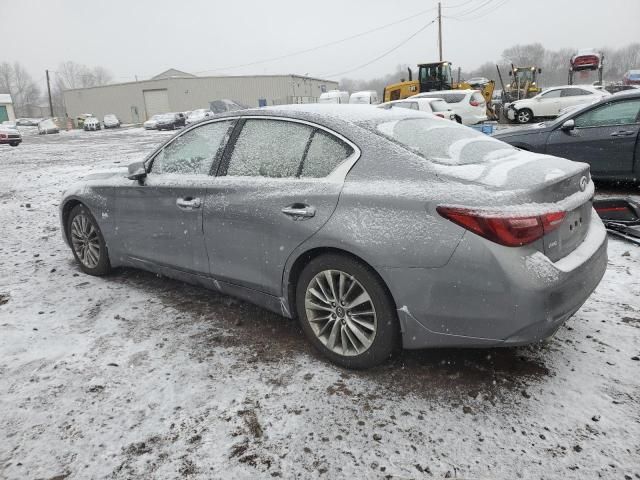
(523, 84)
(434, 77)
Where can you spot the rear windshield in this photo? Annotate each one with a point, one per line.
(443, 141)
(447, 97)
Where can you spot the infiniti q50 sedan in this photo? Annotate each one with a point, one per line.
(375, 228)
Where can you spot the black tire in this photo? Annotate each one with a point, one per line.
(103, 265)
(14, 144)
(458, 119)
(387, 331)
(524, 116)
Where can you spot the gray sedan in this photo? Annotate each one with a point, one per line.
(375, 228)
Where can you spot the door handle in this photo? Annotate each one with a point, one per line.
(623, 133)
(188, 203)
(299, 210)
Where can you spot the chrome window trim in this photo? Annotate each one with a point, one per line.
(338, 174)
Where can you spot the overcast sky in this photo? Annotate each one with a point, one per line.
(145, 37)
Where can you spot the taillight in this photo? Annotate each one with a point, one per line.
(439, 115)
(3, 135)
(511, 231)
(474, 103)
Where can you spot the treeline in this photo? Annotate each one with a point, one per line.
(30, 96)
(554, 65)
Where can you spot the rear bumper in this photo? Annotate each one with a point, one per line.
(7, 141)
(488, 295)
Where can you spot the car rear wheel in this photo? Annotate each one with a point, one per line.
(524, 116)
(87, 243)
(14, 144)
(346, 311)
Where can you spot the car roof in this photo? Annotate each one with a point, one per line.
(335, 114)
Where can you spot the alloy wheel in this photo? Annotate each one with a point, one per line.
(340, 312)
(524, 116)
(85, 241)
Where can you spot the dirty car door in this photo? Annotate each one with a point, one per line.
(160, 219)
(278, 184)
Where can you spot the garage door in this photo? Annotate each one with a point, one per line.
(156, 101)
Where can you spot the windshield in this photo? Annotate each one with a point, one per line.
(443, 142)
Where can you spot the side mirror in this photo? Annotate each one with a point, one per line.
(137, 171)
(568, 125)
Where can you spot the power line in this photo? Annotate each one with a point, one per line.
(458, 5)
(471, 10)
(492, 9)
(384, 54)
(318, 47)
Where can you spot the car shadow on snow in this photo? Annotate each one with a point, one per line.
(264, 337)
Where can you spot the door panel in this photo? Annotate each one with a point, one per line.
(275, 190)
(151, 226)
(247, 234)
(160, 219)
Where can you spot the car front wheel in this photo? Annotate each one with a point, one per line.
(87, 242)
(346, 311)
(524, 116)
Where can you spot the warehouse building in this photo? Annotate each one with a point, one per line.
(176, 91)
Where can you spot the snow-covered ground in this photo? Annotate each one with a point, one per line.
(135, 376)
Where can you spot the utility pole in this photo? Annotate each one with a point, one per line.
(49, 90)
(440, 29)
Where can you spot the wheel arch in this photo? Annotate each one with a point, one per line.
(65, 211)
(291, 275)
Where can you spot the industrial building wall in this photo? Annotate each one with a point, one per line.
(192, 93)
(122, 99)
(182, 94)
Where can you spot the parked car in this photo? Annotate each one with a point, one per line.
(91, 123)
(478, 82)
(199, 114)
(468, 105)
(225, 105)
(549, 102)
(152, 123)
(10, 136)
(366, 219)
(604, 135)
(28, 122)
(334, 96)
(586, 59)
(80, 119)
(170, 121)
(9, 124)
(46, 126)
(632, 77)
(436, 106)
(111, 121)
(368, 97)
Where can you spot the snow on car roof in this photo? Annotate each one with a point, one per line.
(347, 112)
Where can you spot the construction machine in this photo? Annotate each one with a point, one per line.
(433, 77)
(523, 84)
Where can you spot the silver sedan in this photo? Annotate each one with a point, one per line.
(375, 228)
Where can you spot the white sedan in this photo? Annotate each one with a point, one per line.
(551, 101)
(437, 106)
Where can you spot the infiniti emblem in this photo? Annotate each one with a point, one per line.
(583, 183)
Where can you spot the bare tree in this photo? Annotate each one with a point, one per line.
(16, 81)
(70, 75)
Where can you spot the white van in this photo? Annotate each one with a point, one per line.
(334, 96)
(369, 97)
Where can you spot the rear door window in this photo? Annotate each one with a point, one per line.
(552, 94)
(269, 148)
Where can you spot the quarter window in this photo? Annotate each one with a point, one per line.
(574, 92)
(194, 152)
(325, 153)
(618, 113)
(552, 94)
(269, 148)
